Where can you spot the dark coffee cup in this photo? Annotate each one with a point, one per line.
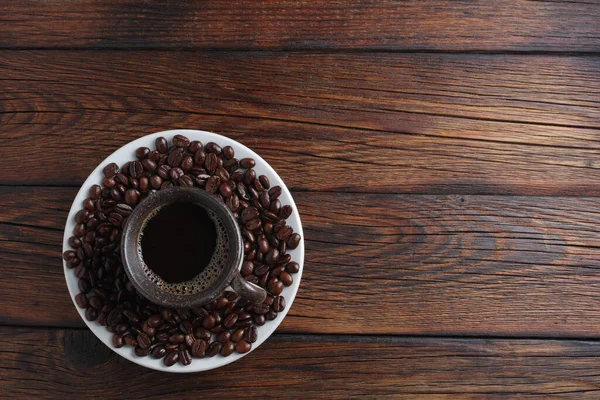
(219, 274)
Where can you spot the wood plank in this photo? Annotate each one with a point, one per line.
(376, 264)
(485, 25)
(45, 363)
(478, 124)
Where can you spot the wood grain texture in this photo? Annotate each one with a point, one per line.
(473, 124)
(485, 25)
(42, 363)
(376, 264)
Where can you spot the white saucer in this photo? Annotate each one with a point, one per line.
(127, 153)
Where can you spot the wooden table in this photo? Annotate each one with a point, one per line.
(444, 156)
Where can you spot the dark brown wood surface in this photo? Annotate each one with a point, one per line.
(321, 367)
(486, 25)
(414, 123)
(443, 156)
(377, 264)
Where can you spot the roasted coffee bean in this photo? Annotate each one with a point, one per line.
(162, 337)
(130, 340)
(263, 245)
(249, 214)
(175, 157)
(115, 317)
(279, 304)
(233, 202)
(247, 163)
(271, 315)
(277, 227)
(143, 341)
(242, 316)
(230, 321)
(175, 174)
(259, 320)
(118, 341)
(189, 340)
(227, 349)
(247, 268)
(156, 181)
(96, 302)
(172, 346)
(270, 216)
(272, 256)
(131, 197)
(88, 204)
(95, 192)
(171, 358)
(187, 163)
(244, 324)
(243, 347)
(275, 286)
(212, 184)
(286, 278)
(142, 352)
(292, 267)
(177, 338)
(268, 228)
(195, 146)
(211, 162)
(225, 190)
(161, 144)
(149, 165)
(185, 327)
(110, 170)
(282, 249)
(213, 349)
(185, 358)
(251, 334)
(224, 337)
(166, 185)
(260, 269)
(285, 211)
(158, 351)
(67, 255)
(212, 147)
(144, 184)
(285, 232)
(84, 285)
(79, 230)
(237, 335)
(121, 328)
(253, 224)
(199, 158)
(82, 300)
(154, 321)
(265, 199)
(264, 181)
(142, 152)
(164, 172)
(275, 206)
(154, 155)
(208, 322)
(132, 316)
(181, 141)
(249, 177)
(148, 330)
(294, 240)
(261, 309)
(228, 152)
(135, 169)
(198, 349)
(186, 181)
(262, 282)
(91, 314)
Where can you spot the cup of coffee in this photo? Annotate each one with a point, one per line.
(182, 247)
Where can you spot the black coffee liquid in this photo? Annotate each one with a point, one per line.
(179, 241)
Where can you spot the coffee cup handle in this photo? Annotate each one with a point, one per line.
(249, 291)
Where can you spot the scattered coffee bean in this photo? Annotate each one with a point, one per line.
(158, 351)
(243, 347)
(171, 358)
(213, 349)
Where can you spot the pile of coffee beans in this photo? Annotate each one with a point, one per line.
(224, 326)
